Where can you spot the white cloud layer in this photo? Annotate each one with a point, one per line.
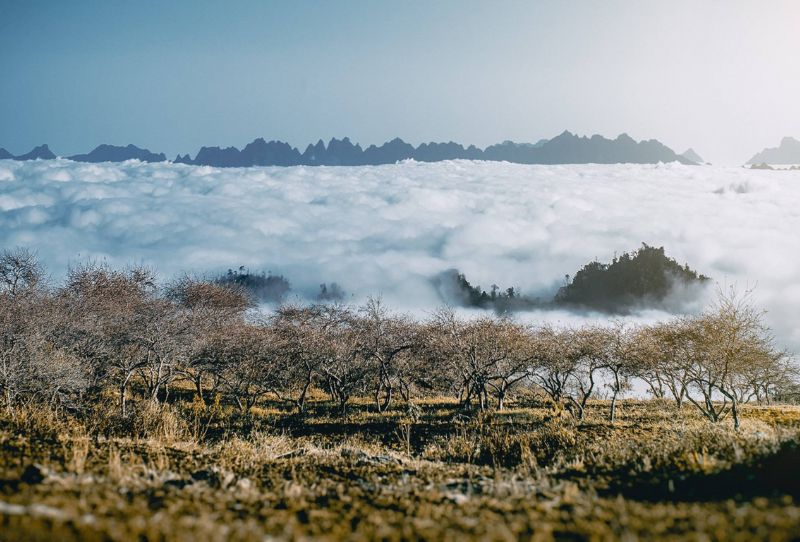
(388, 229)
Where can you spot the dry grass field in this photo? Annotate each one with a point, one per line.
(433, 473)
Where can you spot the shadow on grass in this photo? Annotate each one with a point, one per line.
(773, 475)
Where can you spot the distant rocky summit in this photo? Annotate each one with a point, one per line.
(566, 148)
(113, 153)
(692, 156)
(5, 155)
(42, 152)
(787, 153)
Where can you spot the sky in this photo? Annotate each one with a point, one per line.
(721, 76)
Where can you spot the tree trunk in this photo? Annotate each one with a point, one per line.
(198, 386)
(301, 400)
(378, 397)
(582, 407)
(123, 395)
(123, 388)
(405, 392)
(387, 399)
(481, 399)
(613, 413)
(501, 398)
(468, 399)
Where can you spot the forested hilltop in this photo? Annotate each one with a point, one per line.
(644, 277)
(641, 279)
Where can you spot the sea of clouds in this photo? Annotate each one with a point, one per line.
(388, 229)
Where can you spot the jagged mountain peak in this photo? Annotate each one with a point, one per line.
(42, 152)
(691, 154)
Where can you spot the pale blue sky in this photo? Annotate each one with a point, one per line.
(721, 76)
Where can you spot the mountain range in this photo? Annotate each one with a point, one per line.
(788, 152)
(566, 148)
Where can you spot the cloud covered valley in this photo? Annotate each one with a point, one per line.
(389, 229)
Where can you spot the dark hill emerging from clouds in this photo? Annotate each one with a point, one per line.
(566, 148)
(644, 279)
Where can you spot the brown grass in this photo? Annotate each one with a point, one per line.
(522, 473)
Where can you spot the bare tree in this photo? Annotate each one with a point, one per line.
(108, 317)
(472, 350)
(775, 375)
(345, 370)
(20, 272)
(165, 334)
(33, 367)
(555, 363)
(509, 371)
(730, 341)
(299, 333)
(208, 306)
(251, 365)
(667, 358)
(386, 341)
(589, 350)
(624, 354)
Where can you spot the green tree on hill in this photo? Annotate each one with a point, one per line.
(645, 275)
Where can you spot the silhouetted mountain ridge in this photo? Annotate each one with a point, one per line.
(42, 152)
(566, 148)
(114, 153)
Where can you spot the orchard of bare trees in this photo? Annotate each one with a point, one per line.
(106, 332)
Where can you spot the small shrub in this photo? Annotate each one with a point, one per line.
(159, 421)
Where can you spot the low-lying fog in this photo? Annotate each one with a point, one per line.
(388, 229)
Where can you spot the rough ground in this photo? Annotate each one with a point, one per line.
(522, 474)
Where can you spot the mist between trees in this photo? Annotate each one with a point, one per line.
(116, 332)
